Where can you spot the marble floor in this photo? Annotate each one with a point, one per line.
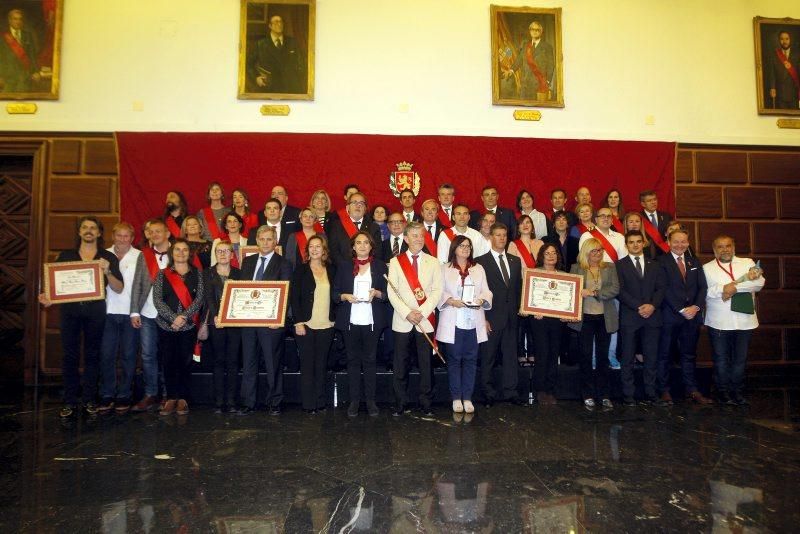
(507, 469)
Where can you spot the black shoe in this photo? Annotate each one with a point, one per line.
(218, 410)
(246, 410)
(231, 409)
(426, 411)
(661, 403)
(488, 403)
(400, 410)
(628, 401)
(309, 412)
(648, 401)
(372, 409)
(90, 408)
(352, 410)
(516, 401)
(275, 410)
(105, 406)
(739, 400)
(67, 410)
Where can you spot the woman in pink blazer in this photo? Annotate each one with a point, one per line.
(462, 324)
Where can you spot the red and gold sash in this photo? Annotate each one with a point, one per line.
(17, 49)
(302, 241)
(347, 223)
(213, 226)
(173, 226)
(413, 283)
(617, 225)
(582, 228)
(543, 88)
(444, 220)
(151, 262)
(430, 244)
(789, 67)
(652, 231)
(609, 248)
(525, 254)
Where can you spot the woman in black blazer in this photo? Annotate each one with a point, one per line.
(560, 236)
(360, 291)
(224, 342)
(312, 309)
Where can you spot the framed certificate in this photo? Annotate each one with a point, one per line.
(254, 303)
(361, 290)
(74, 281)
(552, 294)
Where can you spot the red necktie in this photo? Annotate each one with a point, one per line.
(414, 263)
(682, 267)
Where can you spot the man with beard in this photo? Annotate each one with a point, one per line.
(783, 74)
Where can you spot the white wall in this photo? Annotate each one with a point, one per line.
(688, 63)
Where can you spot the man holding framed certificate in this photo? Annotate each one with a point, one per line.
(84, 317)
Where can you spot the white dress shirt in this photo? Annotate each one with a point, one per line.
(120, 303)
(478, 243)
(616, 239)
(718, 312)
(149, 309)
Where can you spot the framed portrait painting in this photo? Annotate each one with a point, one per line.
(527, 59)
(276, 49)
(30, 49)
(777, 45)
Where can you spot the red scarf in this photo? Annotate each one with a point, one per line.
(789, 67)
(413, 283)
(529, 51)
(347, 223)
(172, 226)
(213, 226)
(525, 254)
(609, 248)
(358, 263)
(652, 231)
(17, 50)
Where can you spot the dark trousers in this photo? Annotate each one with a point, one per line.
(314, 348)
(649, 339)
(594, 383)
(547, 334)
(525, 343)
(119, 337)
(502, 341)
(85, 319)
(730, 356)
(225, 343)
(175, 351)
(262, 343)
(361, 343)
(402, 363)
(686, 334)
(462, 363)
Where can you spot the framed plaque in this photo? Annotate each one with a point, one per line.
(254, 303)
(74, 281)
(552, 294)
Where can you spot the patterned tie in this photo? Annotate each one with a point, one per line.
(504, 269)
(262, 264)
(682, 267)
(639, 267)
(414, 264)
(396, 246)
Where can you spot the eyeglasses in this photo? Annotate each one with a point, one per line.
(224, 251)
(465, 246)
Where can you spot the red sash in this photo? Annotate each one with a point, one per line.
(213, 227)
(581, 228)
(443, 218)
(535, 68)
(525, 254)
(789, 67)
(617, 224)
(235, 257)
(197, 263)
(302, 241)
(652, 231)
(17, 49)
(173, 227)
(430, 244)
(181, 290)
(413, 283)
(347, 223)
(319, 228)
(151, 262)
(609, 248)
(250, 223)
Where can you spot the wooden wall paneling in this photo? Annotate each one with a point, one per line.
(790, 202)
(775, 167)
(694, 201)
(684, 166)
(751, 203)
(65, 156)
(721, 166)
(100, 157)
(739, 231)
(777, 238)
(81, 195)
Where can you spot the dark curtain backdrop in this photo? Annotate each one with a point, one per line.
(153, 163)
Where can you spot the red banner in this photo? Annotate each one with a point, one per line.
(152, 163)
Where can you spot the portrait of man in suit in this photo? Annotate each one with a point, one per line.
(778, 66)
(27, 51)
(277, 40)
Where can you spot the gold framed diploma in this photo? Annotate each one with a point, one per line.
(74, 281)
(552, 294)
(254, 303)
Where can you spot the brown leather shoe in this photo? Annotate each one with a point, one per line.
(169, 407)
(147, 403)
(697, 397)
(666, 397)
(182, 407)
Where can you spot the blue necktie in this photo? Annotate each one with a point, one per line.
(261, 267)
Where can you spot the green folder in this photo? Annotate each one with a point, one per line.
(743, 303)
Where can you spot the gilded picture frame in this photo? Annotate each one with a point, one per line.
(276, 49)
(30, 49)
(244, 302)
(527, 57)
(551, 294)
(777, 76)
(74, 281)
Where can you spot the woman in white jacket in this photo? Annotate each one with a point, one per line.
(462, 324)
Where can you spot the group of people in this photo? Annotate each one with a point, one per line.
(437, 281)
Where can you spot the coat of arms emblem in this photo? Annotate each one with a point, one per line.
(404, 178)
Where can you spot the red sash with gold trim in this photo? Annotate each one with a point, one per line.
(543, 88)
(347, 223)
(525, 254)
(302, 241)
(609, 248)
(617, 225)
(444, 220)
(151, 262)
(652, 231)
(413, 283)
(17, 49)
(789, 67)
(213, 227)
(173, 226)
(582, 228)
(430, 244)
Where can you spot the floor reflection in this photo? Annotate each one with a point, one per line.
(507, 469)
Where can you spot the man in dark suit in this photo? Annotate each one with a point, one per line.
(19, 56)
(278, 64)
(395, 245)
(682, 313)
(641, 291)
(659, 219)
(504, 276)
(407, 201)
(347, 224)
(782, 74)
(489, 198)
(290, 215)
(266, 265)
(434, 227)
(271, 216)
